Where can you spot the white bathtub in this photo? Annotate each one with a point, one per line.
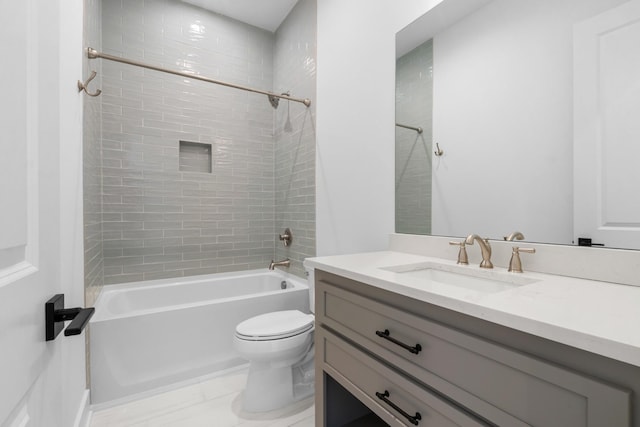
(148, 335)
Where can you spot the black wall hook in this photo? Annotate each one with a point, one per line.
(56, 315)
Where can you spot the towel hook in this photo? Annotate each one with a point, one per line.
(83, 86)
(438, 151)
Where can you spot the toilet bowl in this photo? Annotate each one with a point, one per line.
(279, 348)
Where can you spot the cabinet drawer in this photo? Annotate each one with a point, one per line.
(384, 391)
(502, 385)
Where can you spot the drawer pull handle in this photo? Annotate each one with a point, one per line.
(412, 419)
(387, 336)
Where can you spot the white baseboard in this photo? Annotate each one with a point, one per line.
(21, 419)
(83, 417)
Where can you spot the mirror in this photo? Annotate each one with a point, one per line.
(414, 109)
(492, 82)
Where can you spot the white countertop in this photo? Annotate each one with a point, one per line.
(600, 317)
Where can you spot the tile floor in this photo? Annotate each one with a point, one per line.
(210, 403)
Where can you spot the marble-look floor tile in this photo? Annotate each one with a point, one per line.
(233, 382)
(306, 422)
(133, 413)
(280, 418)
(216, 412)
(214, 402)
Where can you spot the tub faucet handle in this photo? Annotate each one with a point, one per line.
(286, 237)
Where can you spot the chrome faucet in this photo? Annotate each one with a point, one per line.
(284, 263)
(484, 247)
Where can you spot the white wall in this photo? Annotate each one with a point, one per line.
(503, 113)
(355, 121)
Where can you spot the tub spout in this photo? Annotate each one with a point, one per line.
(284, 263)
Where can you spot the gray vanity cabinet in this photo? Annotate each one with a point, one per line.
(402, 357)
(372, 382)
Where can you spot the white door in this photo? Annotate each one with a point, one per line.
(607, 128)
(38, 383)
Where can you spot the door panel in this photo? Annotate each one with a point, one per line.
(606, 127)
(13, 150)
(41, 383)
(21, 280)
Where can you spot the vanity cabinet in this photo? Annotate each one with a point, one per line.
(413, 363)
(380, 387)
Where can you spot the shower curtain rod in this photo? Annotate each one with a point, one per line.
(93, 54)
(417, 129)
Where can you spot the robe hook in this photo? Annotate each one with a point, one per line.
(83, 86)
(438, 151)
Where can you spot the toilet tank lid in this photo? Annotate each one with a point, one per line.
(277, 323)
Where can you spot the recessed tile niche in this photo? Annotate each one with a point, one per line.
(195, 157)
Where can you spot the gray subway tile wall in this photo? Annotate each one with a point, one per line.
(92, 169)
(159, 220)
(295, 71)
(92, 160)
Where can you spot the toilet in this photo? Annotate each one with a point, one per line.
(279, 348)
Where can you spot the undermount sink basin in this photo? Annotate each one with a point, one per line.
(465, 277)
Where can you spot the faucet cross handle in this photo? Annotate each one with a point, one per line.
(515, 264)
(462, 253)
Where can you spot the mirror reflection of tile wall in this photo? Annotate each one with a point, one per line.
(414, 107)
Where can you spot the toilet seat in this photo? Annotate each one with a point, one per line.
(275, 325)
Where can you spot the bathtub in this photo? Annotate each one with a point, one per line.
(146, 336)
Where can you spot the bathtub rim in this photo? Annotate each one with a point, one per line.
(101, 316)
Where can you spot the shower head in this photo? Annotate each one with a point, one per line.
(274, 101)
